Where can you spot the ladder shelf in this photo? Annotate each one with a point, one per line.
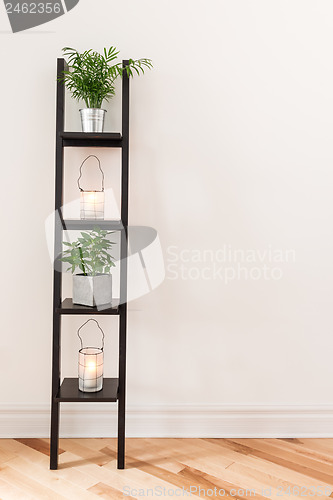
(113, 388)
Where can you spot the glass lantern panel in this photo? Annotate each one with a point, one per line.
(92, 205)
(91, 362)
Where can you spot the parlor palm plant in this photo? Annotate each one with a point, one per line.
(91, 77)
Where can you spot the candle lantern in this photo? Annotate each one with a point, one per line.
(91, 202)
(91, 360)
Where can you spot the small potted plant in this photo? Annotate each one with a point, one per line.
(91, 76)
(90, 255)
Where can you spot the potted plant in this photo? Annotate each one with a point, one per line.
(91, 76)
(90, 255)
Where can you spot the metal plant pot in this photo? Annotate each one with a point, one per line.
(92, 119)
(92, 290)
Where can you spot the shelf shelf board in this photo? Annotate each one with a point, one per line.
(107, 224)
(91, 139)
(67, 307)
(69, 392)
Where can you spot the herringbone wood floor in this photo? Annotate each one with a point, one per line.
(241, 468)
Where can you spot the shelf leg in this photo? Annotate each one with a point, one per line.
(122, 384)
(57, 276)
(123, 270)
(55, 405)
(54, 435)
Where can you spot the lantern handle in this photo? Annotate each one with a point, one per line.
(78, 332)
(99, 165)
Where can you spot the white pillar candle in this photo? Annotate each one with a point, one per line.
(92, 204)
(91, 362)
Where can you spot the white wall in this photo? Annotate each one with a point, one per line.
(231, 144)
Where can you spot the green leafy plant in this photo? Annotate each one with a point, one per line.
(91, 76)
(90, 253)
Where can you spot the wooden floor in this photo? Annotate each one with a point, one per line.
(161, 468)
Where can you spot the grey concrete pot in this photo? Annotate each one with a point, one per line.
(92, 290)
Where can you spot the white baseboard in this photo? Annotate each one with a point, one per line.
(100, 420)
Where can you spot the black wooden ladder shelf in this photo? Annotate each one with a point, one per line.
(113, 388)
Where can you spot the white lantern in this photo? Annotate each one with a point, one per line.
(91, 202)
(91, 364)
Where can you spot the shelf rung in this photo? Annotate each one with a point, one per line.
(80, 224)
(91, 139)
(69, 392)
(67, 307)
